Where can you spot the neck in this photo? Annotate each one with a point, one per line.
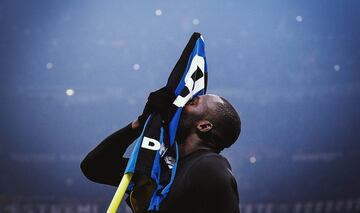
(191, 144)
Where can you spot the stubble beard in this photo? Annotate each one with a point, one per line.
(186, 127)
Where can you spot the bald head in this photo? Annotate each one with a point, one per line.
(213, 119)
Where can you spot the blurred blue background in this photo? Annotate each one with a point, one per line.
(73, 72)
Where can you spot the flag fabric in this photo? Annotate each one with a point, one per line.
(155, 154)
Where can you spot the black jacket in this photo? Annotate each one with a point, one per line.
(203, 183)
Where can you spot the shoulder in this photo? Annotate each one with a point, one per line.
(210, 168)
(211, 184)
(211, 161)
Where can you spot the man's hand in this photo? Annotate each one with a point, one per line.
(159, 101)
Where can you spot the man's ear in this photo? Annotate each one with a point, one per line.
(204, 126)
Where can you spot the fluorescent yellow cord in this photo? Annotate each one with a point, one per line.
(119, 194)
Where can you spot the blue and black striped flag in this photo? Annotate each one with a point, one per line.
(155, 154)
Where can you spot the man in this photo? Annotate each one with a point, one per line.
(204, 181)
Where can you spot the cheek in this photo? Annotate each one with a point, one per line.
(191, 114)
(186, 109)
(191, 109)
(186, 115)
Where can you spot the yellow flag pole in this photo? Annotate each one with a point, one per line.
(119, 194)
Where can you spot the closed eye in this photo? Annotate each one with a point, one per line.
(192, 101)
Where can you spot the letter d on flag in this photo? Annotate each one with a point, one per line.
(149, 143)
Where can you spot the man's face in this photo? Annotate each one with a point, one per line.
(195, 110)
